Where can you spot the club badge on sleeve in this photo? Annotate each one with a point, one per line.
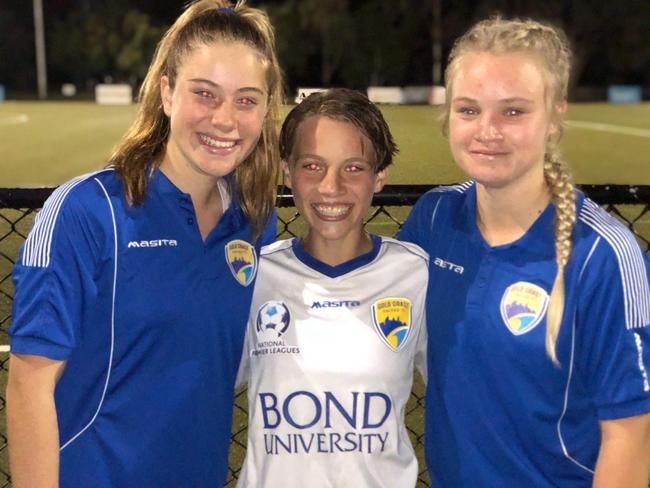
(242, 261)
(523, 306)
(392, 320)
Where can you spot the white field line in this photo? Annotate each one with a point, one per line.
(617, 129)
(4, 348)
(14, 119)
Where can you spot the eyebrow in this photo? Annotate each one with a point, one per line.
(216, 85)
(504, 100)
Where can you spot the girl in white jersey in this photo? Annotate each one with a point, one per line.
(540, 349)
(337, 319)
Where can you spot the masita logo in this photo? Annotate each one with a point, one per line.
(153, 243)
(242, 261)
(341, 423)
(523, 306)
(392, 320)
(336, 304)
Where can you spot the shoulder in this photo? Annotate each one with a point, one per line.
(276, 248)
(450, 193)
(606, 251)
(405, 250)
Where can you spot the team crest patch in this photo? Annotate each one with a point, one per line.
(242, 261)
(392, 320)
(523, 306)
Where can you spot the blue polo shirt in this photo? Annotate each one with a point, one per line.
(498, 412)
(151, 321)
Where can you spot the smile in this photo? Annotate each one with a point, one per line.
(332, 212)
(217, 143)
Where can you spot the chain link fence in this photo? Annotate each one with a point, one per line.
(630, 204)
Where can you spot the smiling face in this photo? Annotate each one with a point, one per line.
(216, 109)
(331, 173)
(498, 123)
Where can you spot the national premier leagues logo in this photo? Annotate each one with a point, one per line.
(392, 320)
(242, 261)
(523, 306)
(273, 317)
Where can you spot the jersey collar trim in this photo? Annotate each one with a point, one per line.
(341, 269)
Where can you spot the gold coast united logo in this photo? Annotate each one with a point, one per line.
(392, 320)
(523, 306)
(242, 261)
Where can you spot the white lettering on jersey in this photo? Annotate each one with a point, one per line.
(154, 243)
(336, 303)
(441, 263)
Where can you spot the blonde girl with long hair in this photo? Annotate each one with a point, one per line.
(133, 287)
(539, 303)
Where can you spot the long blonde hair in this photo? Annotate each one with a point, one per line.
(142, 146)
(549, 47)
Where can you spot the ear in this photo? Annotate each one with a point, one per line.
(287, 174)
(166, 95)
(380, 179)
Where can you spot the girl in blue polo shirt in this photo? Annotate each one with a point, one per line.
(539, 303)
(134, 285)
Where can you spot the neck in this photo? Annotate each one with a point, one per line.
(503, 215)
(205, 194)
(335, 252)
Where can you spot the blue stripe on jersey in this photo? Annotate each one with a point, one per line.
(460, 188)
(112, 347)
(636, 292)
(39, 241)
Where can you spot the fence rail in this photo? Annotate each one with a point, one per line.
(630, 204)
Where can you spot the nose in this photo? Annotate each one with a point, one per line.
(331, 183)
(489, 129)
(223, 116)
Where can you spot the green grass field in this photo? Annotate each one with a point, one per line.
(46, 143)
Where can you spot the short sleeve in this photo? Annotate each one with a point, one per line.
(613, 332)
(417, 227)
(421, 350)
(53, 279)
(270, 231)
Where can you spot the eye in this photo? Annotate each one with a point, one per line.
(467, 111)
(247, 101)
(204, 94)
(355, 168)
(310, 166)
(513, 112)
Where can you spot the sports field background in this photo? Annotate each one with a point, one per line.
(46, 143)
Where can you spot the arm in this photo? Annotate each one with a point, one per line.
(31, 421)
(624, 456)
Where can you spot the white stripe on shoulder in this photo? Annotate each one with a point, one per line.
(39, 241)
(409, 246)
(460, 188)
(636, 291)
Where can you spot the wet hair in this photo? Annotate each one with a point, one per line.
(549, 48)
(141, 149)
(344, 105)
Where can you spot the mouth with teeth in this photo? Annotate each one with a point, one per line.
(332, 212)
(217, 144)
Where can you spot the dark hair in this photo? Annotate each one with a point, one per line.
(348, 106)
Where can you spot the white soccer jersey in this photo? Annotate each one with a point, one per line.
(329, 359)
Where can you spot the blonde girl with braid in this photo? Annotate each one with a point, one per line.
(538, 301)
(134, 285)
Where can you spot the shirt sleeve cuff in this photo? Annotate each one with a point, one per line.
(39, 347)
(623, 410)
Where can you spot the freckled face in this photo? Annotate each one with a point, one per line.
(332, 176)
(216, 109)
(499, 124)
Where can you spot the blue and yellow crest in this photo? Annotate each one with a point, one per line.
(392, 319)
(242, 261)
(523, 306)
